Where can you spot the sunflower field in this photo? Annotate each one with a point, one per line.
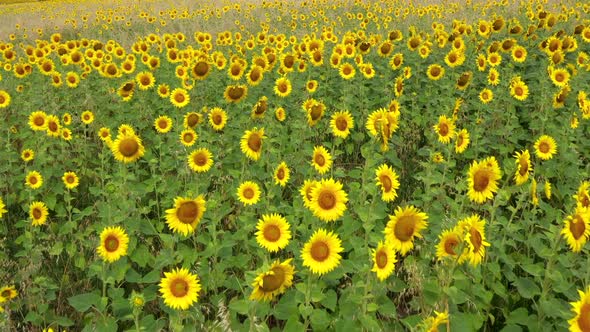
(305, 165)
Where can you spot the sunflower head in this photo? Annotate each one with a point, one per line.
(576, 228)
(273, 282)
(383, 260)
(249, 193)
(321, 253)
(273, 232)
(127, 148)
(186, 214)
(180, 288)
(113, 244)
(403, 227)
(38, 213)
(328, 200)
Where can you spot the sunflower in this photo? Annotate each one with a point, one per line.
(560, 77)
(4, 99)
(576, 228)
(582, 196)
(346, 71)
(164, 90)
(260, 108)
(435, 72)
(450, 241)
(113, 244)
(518, 89)
(432, 323)
(236, 70)
(494, 59)
(462, 141)
(179, 97)
(311, 86)
(186, 214)
(38, 121)
(201, 70)
(66, 134)
(384, 260)
(53, 127)
(387, 179)
(493, 77)
(405, 225)
(321, 253)
(273, 232)
(200, 160)
(519, 53)
(483, 179)
(180, 288)
(315, 111)
(581, 322)
(255, 75)
(251, 143)
(486, 95)
(127, 148)
(188, 137)
(283, 87)
(163, 124)
(8, 293)
(280, 114)
(473, 228)
(547, 189)
(341, 124)
(27, 155)
(217, 118)
(306, 190)
(34, 180)
(282, 174)
(249, 193)
(235, 93)
(274, 281)
(328, 200)
(2, 208)
(70, 180)
(192, 119)
(445, 128)
(104, 133)
(545, 147)
(38, 213)
(321, 159)
(523, 167)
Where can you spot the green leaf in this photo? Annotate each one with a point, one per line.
(527, 288)
(330, 300)
(240, 306)
(293, 324)
(319, 319)
(83, 302)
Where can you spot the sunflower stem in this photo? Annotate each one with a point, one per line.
(308, 298)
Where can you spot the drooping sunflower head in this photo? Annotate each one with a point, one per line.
(38, 213)
(235, 93)
(186, 214)
(273, 281)
(404, 225)
(180, 288)
(328, 200)
(305, 192)
(383, 260)
(582, 196)
(387, 179)
(523, 167)
(273, 232)
(249, 193)
(462, 141)
(113, 244)
(321, 253)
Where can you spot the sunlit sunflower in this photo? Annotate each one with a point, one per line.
(282, 174)
(163, 124)
(192, 119)
(2, 208)
(328, 200)
(249, 193)
(235, 93)
(53, 127)
(283, 87)
(38, 213)
(164, 90)
(494, 77)
(70, 180)
(347, 71)
(217, 118)
(545, 147)
(486, 95)
(475, 239)
(321, 159)
(66, 134)
(8, 293)
(27, 155)
(4, 99)
(576, 230)
(383, 260)
(462, 141)
(581, 308)
(113, 244)
(450, 243)
(560, 77)
(519, 53)
(179, 97)
(104, 133)
(280, 114)
(305, 192)
(445, 128)
(518, 89)
(341, 124)
(582, 195)
(251, 143)
(311, 86)
(431, 324)
(387, 179)
(404, 225)
(274, 281)
(315, 111)
(38, 121)
(186, 214)
(435, 72)
(273, 232)
(483, 179)
(188, 137)
(200, 160)
(34, 180)
(180, 288)
(127, 148)
(523, 167)
(87, 117)
(321, 253)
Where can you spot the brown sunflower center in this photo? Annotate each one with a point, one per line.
(523, 167)
(319, 251)
(192, 120)
(452, 58)
(145, 80)
(248, 193)
(5, 294)
(381, 259)
(163, 124)
(518, 91)
(341, 123)
(2, 99)
(347, 70)
(281, 174)
(577, 227)
(585, 200)
(187, 212)
(52, 126)
(435, 71)
(319, 159)
(254, 142)
(128, 147)
(518, 54)
(70, 179)
(200, 159)
(475, 239)
(187, 138)
(404, 228)
(235, 92)
(450, 245)
(327, 200)
(272, 233)
(584, 318)
(386, 183)
(201, 69)
(39, 121)
(179, 98)
(544, 147)
(217, 119)
(274, 281)
(283, 87)
(255, 75)
(443, 129)
(37, 213)
(481, 180)
(316, 112)
(111, 243)
(179, 287)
